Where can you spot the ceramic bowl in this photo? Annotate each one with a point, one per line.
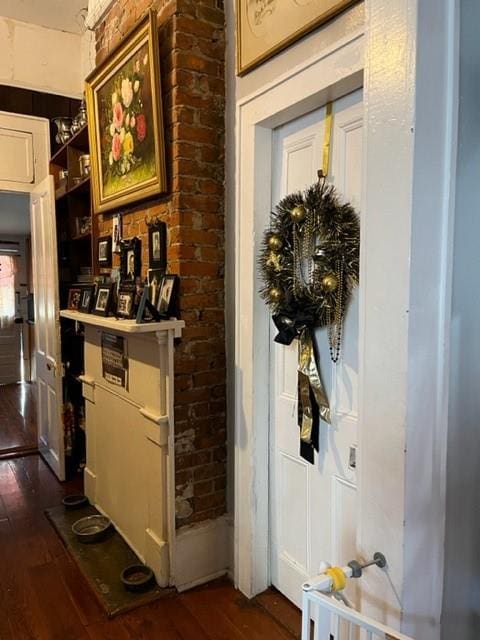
(75, 501)
(137, 577)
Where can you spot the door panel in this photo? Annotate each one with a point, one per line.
(16, 156)
(47, 327)
(313, 507)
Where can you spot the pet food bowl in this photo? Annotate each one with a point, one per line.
(75, 501)
(137, 577)
(91, 528)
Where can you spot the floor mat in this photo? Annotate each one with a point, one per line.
(101, 563)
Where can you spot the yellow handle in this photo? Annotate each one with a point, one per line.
(338, 578)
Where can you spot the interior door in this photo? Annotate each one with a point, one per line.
(47, 326)
(313, 507)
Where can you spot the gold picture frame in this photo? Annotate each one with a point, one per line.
(125, 120)
(265, 27)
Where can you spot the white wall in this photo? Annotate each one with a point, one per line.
(88, 53)
(34, 57)
(461, 606)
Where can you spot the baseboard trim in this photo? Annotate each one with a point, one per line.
(200, 581)
(18, 452)
(201, 553)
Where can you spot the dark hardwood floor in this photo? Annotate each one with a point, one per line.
(44, 597)
(18, 427)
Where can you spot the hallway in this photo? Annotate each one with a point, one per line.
(18, 417)
(44, 597)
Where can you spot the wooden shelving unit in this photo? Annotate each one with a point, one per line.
(73, 204)
(75, 254)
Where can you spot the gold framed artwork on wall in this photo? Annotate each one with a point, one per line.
(125, 121)
(265, 27)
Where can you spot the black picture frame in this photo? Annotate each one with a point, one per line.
(157, 245)
(74, 298)
(130, 259)
(155, 277)
(126, 302)
(103, 299)
(167, 300)
(104, 251)
(87, 299)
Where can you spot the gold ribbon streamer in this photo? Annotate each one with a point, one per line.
(309, 377)
(327, 139)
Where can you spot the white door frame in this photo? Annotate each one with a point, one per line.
(410, 103)
(333, 73)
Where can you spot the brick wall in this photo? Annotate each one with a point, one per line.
(192, 44)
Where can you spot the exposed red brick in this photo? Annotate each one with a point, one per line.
(192, 45)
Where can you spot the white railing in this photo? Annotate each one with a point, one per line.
(324, 618)
(327, 614)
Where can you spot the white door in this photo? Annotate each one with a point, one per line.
(47, 326)
(313, 507)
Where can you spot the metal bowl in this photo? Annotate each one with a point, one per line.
(91, 528)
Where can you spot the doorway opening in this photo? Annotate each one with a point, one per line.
(18, 420)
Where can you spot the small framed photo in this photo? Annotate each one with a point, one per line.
(74, 298)
(157, 245)
(155, 277)
(131, 259)
(117, 233)
(105, 251)
(87, 299)
(103, 300)
(167, 300)
(126, 301)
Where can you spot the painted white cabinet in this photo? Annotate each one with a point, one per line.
(129, 472)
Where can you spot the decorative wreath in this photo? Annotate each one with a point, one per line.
(309, 260)
(309, 265)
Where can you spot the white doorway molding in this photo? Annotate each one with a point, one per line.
(332, 74)
(408, 55)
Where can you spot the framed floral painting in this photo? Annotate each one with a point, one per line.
(125, 121)
(265, 27)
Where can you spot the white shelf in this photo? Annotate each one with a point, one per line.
(125, 326)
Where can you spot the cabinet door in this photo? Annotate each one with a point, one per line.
(16, 157)
(24, 151)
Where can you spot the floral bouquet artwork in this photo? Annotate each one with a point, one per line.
(125, 118)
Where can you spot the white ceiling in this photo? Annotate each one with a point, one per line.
(65, 15)
(14, 213)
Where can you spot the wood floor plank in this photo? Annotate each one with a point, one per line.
(183, 621)
(150, 623)
(54, 613)
(245, 614)
(18, 416)
(212, 618)
(284, 611)
(108, 630)
(81, 596)
(43, 596)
